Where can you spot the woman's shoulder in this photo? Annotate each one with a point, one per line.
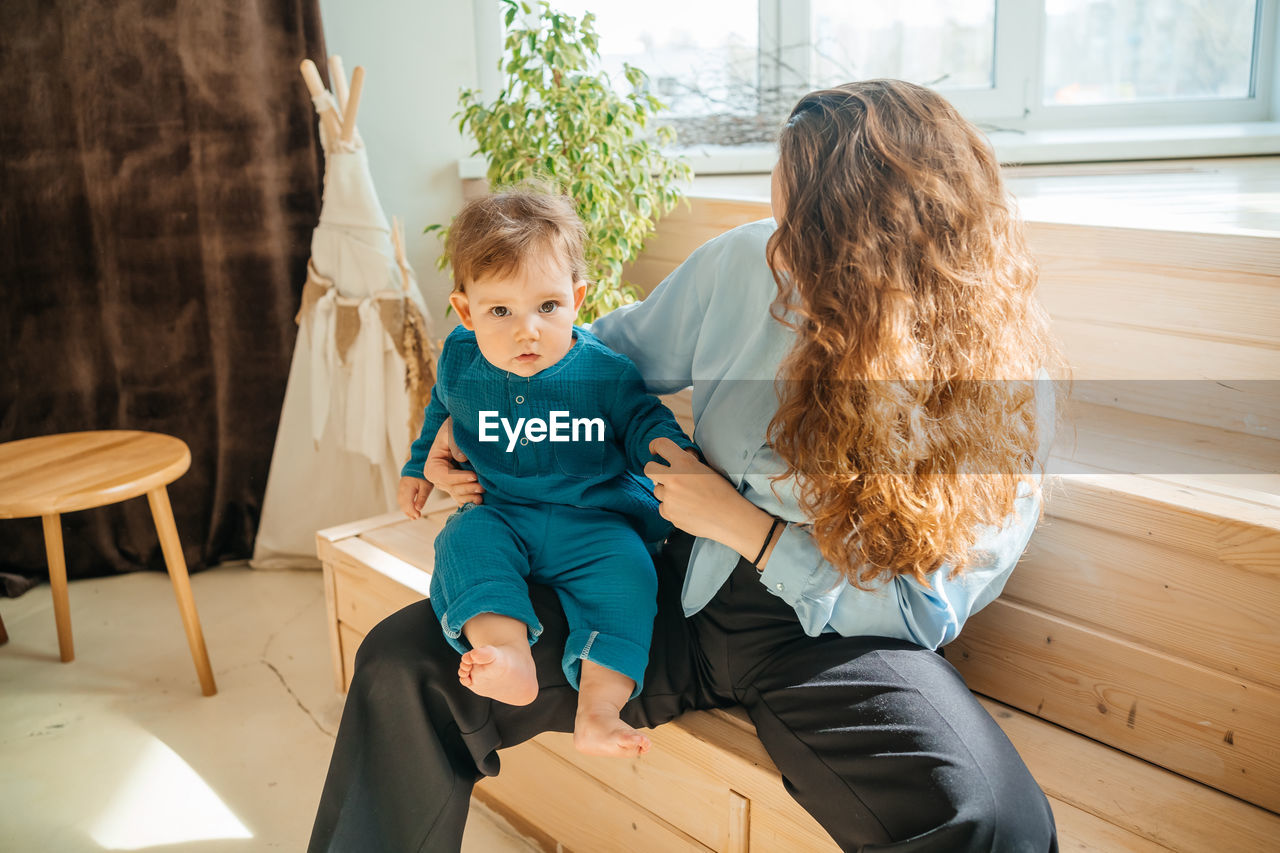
(731, 262)
(746, 242)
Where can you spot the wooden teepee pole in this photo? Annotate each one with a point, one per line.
(353, 104)
(338, 77)
(328, 117)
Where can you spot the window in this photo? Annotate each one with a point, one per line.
(1159, 50)
(730, 69)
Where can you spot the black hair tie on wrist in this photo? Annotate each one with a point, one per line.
(767, 540)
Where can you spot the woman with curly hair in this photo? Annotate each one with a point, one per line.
(863, 370)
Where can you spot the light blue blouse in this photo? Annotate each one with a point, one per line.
(708, 325)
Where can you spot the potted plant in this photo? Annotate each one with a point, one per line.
(558, 120)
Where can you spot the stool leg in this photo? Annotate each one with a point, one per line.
(162, 512)
(58, 580)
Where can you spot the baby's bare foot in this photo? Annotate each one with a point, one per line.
(601, 732)
(503, 673)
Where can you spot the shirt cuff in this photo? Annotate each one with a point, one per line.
(798, 575)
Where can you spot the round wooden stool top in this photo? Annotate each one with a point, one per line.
(79, 470)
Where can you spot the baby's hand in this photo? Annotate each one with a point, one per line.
(412, 495)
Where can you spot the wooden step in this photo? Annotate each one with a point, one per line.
(1144, 612)
(709, 785)
(1104, 439)
(1131, 796)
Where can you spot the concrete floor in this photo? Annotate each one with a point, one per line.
(118, 750)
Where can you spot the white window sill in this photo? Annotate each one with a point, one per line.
(1033, 146)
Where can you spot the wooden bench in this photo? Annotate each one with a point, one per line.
(1134, 657)
(708, 784)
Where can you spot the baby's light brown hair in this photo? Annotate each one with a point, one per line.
(499, 234)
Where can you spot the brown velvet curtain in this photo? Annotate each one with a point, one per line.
(160, 179)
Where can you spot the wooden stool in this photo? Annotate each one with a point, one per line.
(53, 474)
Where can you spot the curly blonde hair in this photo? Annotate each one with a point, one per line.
(905, 412)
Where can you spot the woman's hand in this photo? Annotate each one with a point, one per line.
(440, 469)
(698, 500)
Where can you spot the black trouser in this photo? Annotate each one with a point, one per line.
(878, 739)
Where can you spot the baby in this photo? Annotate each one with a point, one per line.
(554, 424)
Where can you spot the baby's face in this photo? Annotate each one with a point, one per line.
(523, 320)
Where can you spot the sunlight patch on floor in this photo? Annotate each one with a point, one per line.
(161, 800)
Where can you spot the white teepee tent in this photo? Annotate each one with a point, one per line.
(362, 365)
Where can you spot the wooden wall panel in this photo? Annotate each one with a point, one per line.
(1182, 604)
(1127, 303)
(1171, 811)
(1220, 730)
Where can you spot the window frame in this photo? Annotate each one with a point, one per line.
(1014, 100)
(1010, 111)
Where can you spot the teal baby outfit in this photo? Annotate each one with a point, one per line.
(557, 454)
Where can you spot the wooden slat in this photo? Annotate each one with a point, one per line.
(1236, 532)
(1182, 604)
(1258, 489)
(436, 502)
(1159, 806)
(583, 815)
(1162, 295)
(355, 528)
(1252, 255)
(365, 598)
(1171, 376)
(715, 743)
(1100, 349)
(1081, 832)
(410, 541)
(662, 782)
(1222, 731)
(1220, 195)
(335, 641)
(357, 552)
(739, 840)
(1123, 441)
(349, 640)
